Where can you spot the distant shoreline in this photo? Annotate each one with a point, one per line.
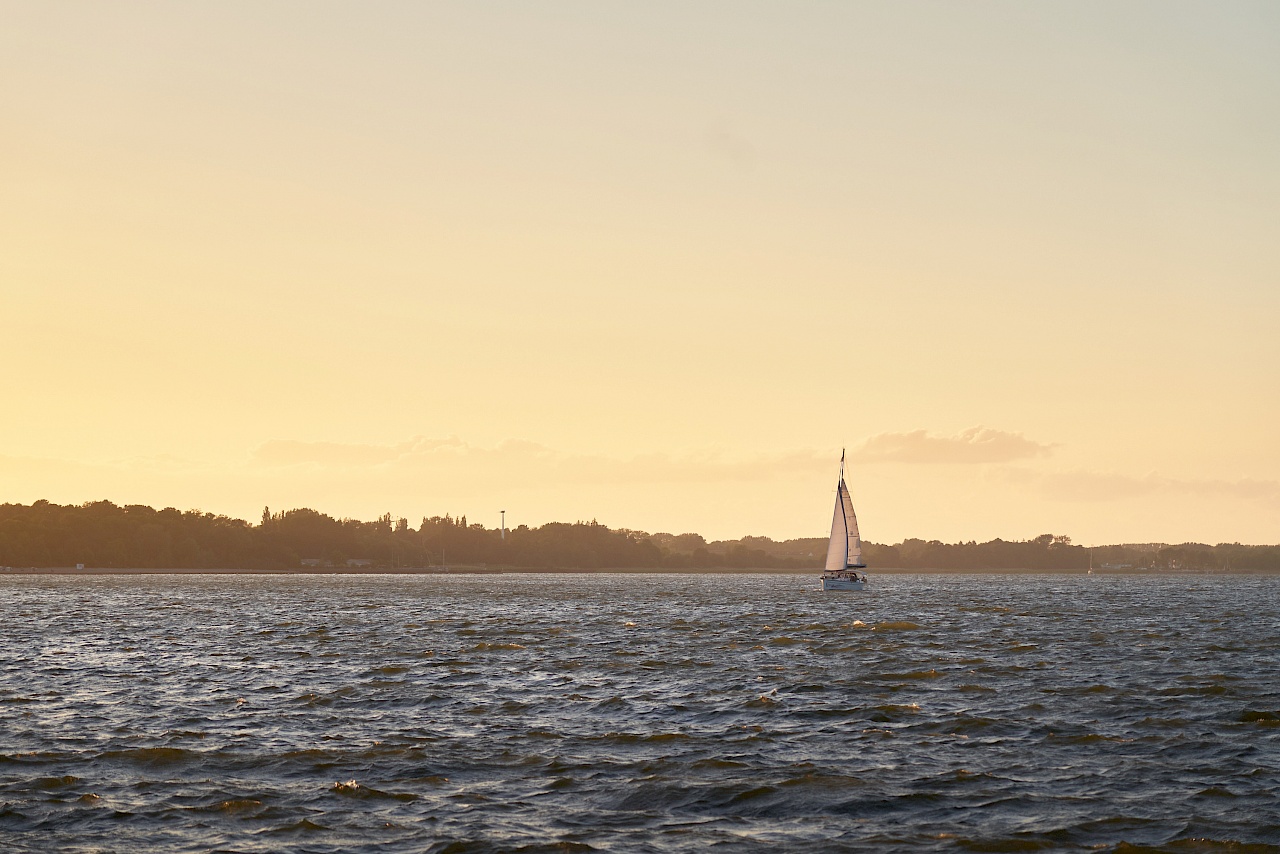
(483, 570)
(100, 534)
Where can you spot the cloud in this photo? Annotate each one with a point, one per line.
(1082, 485)
(288, 452)
(523, 462)
(975, 445)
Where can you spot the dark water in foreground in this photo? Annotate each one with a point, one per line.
(638, 713)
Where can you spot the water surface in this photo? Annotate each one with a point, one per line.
(638, 713)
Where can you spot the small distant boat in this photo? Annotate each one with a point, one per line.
(844, 552)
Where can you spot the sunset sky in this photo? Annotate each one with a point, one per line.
(652, 263)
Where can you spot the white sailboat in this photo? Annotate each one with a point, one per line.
(844, 551)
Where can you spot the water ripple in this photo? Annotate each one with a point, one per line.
(638, 713)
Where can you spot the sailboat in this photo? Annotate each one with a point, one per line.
(844, 551)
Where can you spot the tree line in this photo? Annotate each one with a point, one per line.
(106, 535)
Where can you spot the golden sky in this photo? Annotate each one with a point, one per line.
(650, 263)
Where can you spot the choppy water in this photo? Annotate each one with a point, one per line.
(637, 713)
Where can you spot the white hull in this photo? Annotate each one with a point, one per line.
(842, 583)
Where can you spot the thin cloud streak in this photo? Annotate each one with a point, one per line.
(286, 452)
(1082, 485)
(977, 445)
(524, 462)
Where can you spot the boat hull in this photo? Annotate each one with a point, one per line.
(846, 584)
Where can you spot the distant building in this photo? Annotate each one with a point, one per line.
(359, 562)
(311, 561)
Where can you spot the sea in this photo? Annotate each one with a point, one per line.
(638, 713)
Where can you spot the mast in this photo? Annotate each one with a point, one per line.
(844, 550)
(838, 546)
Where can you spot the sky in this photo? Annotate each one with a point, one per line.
(653, 264)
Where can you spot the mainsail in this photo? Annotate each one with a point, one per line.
(845, 549)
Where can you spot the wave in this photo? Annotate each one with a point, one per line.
(1216, 792)
(1197, 845)
(483, 847)
(719, 764)
(352, 789)
(965, 724)
(1194, 691)
(1088, 738)
(303, 827)
(908, 676)
(611, 704)
(153, 755)
(1258, 716)
(824, 782)
(995, 845)
(235, 806)
(640, 738)
(51, 783)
